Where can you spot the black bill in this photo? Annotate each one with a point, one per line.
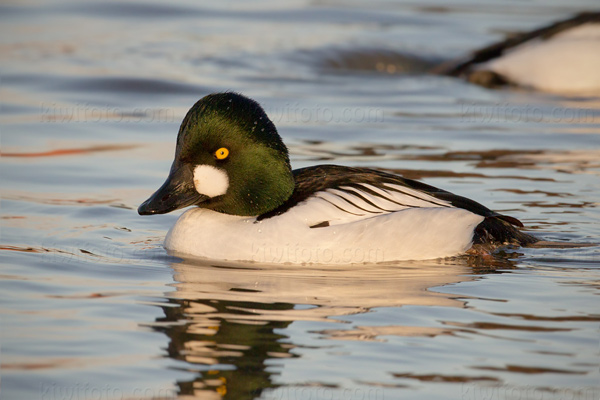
(178, 191)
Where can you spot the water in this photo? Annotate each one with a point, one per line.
(94, 308)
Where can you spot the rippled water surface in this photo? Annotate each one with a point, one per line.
(94, 308)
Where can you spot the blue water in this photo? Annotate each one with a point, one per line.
(92, 306)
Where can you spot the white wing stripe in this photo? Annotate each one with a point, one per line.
(360, 201)
(356, 200)
(425, 200)
(395, 199)
(338, 203)
(381, 204)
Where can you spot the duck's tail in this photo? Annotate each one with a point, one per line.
(501, 230)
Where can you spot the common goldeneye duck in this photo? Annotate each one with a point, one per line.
(563, 57)
(233, 166)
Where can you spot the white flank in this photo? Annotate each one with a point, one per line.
(568, 62)
(410, 234)
(210, 181)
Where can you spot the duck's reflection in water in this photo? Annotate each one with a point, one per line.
(226, 321)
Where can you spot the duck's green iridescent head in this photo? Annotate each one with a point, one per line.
(229, 158)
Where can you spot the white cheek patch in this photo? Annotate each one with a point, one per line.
(210, 181)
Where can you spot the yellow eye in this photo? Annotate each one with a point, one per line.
(222, 153)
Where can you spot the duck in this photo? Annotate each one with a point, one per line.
(560, 58)
(233, 170)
